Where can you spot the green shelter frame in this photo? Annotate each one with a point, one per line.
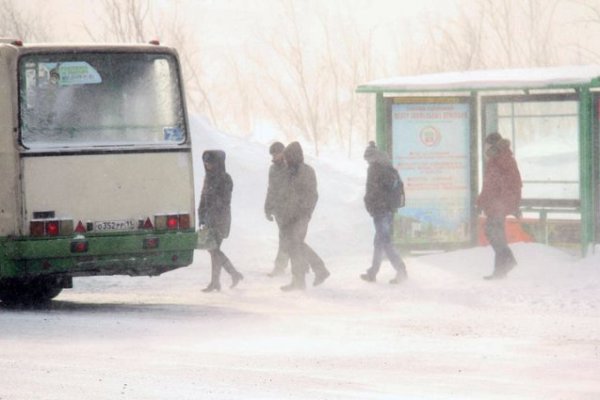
(486, 91)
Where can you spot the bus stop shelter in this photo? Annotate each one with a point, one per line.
(433, 125)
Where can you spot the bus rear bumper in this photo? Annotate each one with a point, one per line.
(134, 254)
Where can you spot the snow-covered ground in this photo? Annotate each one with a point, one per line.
(444, 334)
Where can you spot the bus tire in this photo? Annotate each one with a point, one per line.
(34, 291)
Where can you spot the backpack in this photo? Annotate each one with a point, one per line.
(396, 189)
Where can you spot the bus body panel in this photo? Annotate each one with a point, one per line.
(9, 176)
(108, 187)
(118, 254)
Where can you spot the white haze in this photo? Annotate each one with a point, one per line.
(445, 334)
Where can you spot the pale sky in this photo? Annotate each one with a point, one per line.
(225, 21)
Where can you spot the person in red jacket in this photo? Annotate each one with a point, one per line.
(500, 196)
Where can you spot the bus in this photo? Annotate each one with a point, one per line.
(95, 166)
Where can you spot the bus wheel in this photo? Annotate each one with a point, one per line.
(29, 291)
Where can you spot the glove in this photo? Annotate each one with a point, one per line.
(269, 217)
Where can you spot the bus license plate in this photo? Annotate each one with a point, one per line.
(103, 226)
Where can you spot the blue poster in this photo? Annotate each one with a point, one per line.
(431, 149)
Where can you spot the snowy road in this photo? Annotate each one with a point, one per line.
(445, 334)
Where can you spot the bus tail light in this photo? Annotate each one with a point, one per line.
(172, 222)
(184, 221)
(79, 246)
(51, 228)
(151, 243)
(37, 228)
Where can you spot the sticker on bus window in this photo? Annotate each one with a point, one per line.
(69, 73)
(173, 134)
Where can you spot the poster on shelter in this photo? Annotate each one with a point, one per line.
(431, 149)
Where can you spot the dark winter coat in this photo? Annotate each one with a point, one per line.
(380, 176)
(215, 201)
(501, 189)
(301, 186)
(275, 202)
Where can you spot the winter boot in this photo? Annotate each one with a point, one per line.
(499, 273)
(368, 277)
(506, 263)
(296, 284)
(494, 276)
(212, 287)
(236, 277)
(400, 277)
(320, 277)
(215, 276)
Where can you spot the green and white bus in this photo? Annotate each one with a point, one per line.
(95, 166)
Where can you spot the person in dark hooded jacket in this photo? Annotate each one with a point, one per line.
(301, 200)
(379, 204)
(500, 196)
(214, 213)
(275, 202)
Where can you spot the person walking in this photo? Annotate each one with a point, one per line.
(379, 202)
(301, 199)
(276, 201)
(214, 213)
(500, 196)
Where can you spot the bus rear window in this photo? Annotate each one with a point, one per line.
(99, 99)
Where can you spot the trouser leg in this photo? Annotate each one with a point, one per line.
(297, 234)
(281, 260)
(496, 235)
(377, 247)
(377, 257)
(382, 244)
(283, 257)
(227, 265)
(315, 262)
(215, 262)
(394, 257)
(390, 250)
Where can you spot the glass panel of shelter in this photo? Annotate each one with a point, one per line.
(544, 135)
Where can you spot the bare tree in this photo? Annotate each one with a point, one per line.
(458, 43)
(588, 24)
(349, 62)
(16, 22)
(521, 32)
(495, 33)
(241, 97)
(293, 94)
(308, 79)
(123, 21)
(542, 24)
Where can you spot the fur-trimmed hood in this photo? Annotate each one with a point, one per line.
(216, 158)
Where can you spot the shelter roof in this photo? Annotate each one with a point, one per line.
(500, 79)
